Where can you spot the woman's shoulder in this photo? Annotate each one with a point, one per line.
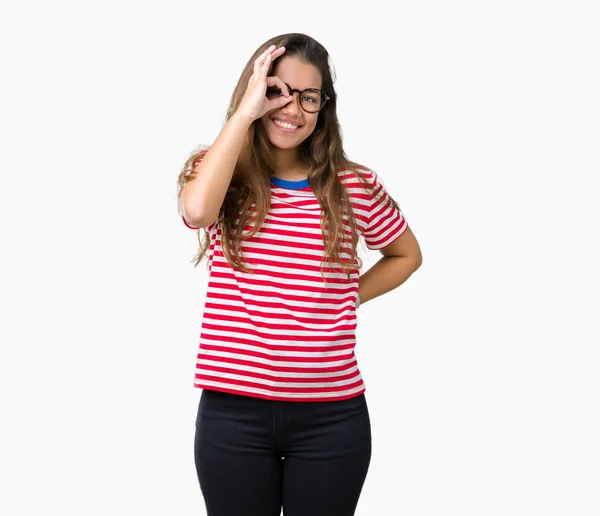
(355, 175)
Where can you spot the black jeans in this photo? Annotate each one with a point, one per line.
(254, 456)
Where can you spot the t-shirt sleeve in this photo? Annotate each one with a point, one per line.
(188, 224)
(386, 222)
(198, 160)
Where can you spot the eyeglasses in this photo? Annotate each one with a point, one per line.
(312, 100)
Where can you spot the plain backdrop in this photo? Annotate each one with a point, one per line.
(482, 119)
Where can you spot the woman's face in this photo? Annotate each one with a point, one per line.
(297, 75)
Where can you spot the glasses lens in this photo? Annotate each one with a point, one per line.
(312, 100)
(273, 92)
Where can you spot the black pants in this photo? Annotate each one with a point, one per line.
(255, 456)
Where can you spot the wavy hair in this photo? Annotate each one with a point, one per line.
(322, 151)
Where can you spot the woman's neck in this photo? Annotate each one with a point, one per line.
(288, 165)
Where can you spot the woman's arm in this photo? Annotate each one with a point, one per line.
(203, 196)
(400, 259)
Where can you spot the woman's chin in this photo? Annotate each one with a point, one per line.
(283, 143)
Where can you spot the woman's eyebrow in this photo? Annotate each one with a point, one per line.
(290, 88)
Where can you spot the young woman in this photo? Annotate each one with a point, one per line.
(282, 419)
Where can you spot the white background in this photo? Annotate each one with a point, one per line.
(481, 370)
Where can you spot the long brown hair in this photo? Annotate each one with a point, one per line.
(322, 151)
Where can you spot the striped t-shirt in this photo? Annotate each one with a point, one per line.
(281, 333)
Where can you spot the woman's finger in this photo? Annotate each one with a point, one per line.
(259, 61)
(273, 80)
(261, 57)
(269, 58)
(285, 98)
(280, 102)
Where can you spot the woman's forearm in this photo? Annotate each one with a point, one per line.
(203, 196)
(386, 275)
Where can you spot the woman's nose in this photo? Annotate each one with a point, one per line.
(293, 107)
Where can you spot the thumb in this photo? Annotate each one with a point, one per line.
(282, 101)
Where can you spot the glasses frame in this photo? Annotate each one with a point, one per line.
(292, 90)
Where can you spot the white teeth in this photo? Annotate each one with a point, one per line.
(287, 126)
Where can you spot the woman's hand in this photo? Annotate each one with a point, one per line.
(255, 102)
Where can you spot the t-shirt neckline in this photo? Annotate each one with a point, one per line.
(294, 185)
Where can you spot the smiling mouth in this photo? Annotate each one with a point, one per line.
(285, 128)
